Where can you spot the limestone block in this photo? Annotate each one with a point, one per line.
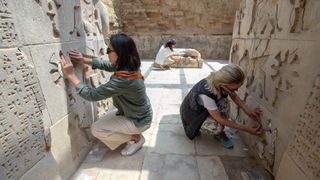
(56, 89)
(34, 95)
(299, 20)
(47, 63)
(304, 148)
(69, 147)
(282, 19)
(40, 170)
(22, 119)
(54, 17)
(277, 64)
(66, 21)
(289, 170)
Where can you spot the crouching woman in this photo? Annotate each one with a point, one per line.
(126, 88)
(208, 101)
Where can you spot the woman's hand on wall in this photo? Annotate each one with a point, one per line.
(68, 70)
(76, 56)
(255, 114)
(67, 67)
(254, 130)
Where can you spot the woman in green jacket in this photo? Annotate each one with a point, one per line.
(126, 87)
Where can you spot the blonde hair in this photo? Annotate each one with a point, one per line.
(227, 75)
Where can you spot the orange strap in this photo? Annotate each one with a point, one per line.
(136, 75)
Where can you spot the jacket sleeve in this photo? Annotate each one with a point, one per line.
(102, 64)
(110, 89)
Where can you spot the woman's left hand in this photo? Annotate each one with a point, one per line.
(255, 114)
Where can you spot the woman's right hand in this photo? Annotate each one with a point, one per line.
(67, 68)
(76, 56)
(254, 130)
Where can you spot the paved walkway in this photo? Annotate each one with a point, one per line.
(168, 154)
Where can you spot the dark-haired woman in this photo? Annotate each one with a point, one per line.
(163, 58)
(126, 87)
(167, 56)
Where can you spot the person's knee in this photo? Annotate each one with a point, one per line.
(97, 131)
(94, 129)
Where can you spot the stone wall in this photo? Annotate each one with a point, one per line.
(204, 25)
(277, 43)
(43, 122)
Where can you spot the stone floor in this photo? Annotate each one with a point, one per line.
(168, 154)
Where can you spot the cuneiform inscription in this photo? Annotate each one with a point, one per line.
(8, 34)
(21, 124)
(305, 148)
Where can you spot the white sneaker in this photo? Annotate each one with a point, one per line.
(132, 147)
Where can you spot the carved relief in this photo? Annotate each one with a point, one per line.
(265, 146)
(266, 18)
(97, 19)
(237, 24)
(8, 34)
(86, 19)
(251, 7)
(53, 7)
(281, 71)
(21, 131)
(77, 24)
(55, 71)
(305, 147)
(297, 16)
(257, 17)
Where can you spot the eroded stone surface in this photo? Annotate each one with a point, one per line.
(276, 45)
(42, 119)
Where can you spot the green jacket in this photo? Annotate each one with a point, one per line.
(128, 94)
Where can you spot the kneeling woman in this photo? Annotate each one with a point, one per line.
(168, 55)
(128, 92)
(207, 100)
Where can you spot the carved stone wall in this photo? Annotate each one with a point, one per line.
(43, 122)
(277, 42)
(204, 25)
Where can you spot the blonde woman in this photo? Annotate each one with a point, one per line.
(208, 100)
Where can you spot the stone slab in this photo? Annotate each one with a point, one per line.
(169, 166)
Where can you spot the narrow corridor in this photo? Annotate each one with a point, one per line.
(168, 154)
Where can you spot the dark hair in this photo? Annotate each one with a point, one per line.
(170, 43)
(128, 56)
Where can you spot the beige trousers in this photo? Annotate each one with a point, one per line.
(115, 130)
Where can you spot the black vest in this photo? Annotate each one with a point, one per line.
(192, 113)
